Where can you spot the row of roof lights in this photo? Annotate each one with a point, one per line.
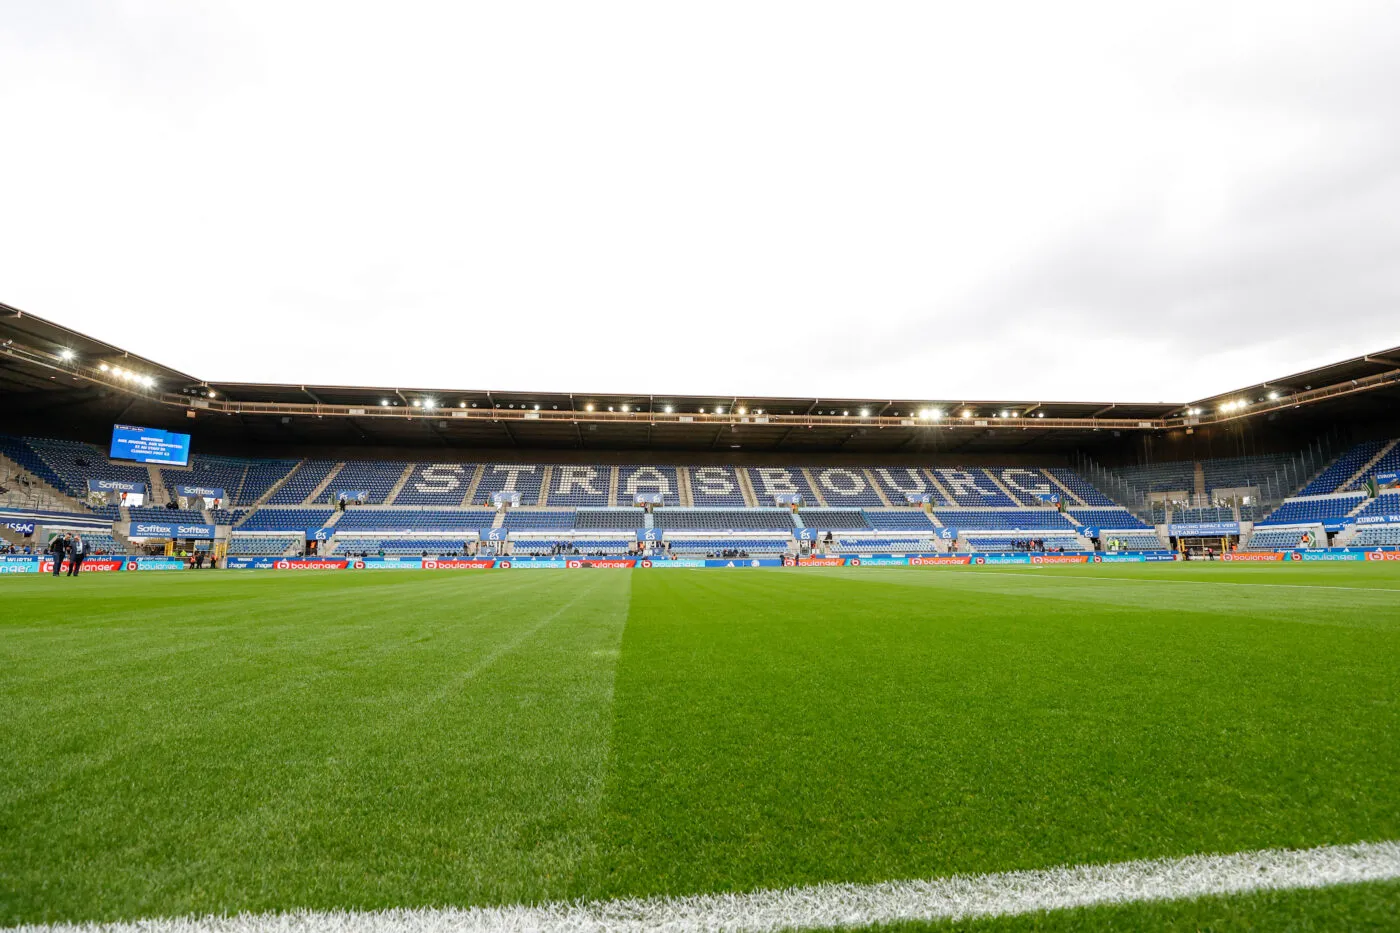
(928, 414)
(126, 375)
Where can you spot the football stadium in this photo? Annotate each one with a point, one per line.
(760, 467)
(777, 662)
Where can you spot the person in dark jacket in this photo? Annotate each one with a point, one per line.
(77, 550)
(58, 548)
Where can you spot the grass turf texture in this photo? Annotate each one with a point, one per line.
(262, 741)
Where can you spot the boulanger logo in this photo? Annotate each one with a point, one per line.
(131, 565)
(359, 565)
(981, 560)
(283, 565)
(574, 564)
(644, 563)
(1098, 558)
(1294, 555)
(1037, 559)
(855, 561)
(503, 564)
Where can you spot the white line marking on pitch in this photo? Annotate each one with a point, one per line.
(842, 905)
(1291, 586)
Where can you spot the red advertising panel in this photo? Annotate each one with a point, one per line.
(1254, 557)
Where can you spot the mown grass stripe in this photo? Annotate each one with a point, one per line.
(842, 905)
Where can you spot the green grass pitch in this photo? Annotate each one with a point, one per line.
(194, 743)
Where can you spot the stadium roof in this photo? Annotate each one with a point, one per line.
(48, 368)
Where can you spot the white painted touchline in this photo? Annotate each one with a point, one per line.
(840, 905)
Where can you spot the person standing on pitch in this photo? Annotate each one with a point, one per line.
(77, 550)
(57, 548)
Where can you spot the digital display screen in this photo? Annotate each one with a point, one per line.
(150, 445)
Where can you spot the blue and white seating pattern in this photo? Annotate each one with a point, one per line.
(724, 519)
(524, 478)
(1135, 542)
(623, 519)
(1274, 540)
(522, 520)
(645, 479)
(1321, 509)
(835, 519)
(1387, 503)
(148, 514)
(261, 476)
(1389, 463)
(715, 487)
(768, 482)
(1110, 518)
(374, 478)
(302, 483)
(1076, 484)
(751, 546)
(286, 519)
(1340, 470)
(1010, 520)
(580, 486)
(1377, 535)
(440, 484)
(899, 483)
(898, 519)
(972, 488)
(262, 545)
(413, 520)
(847, 487)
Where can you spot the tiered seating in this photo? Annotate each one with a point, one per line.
(440, 484)
(1159, 514)
(100, 543)
(524, 478)
(977, 543)
(519, 520)
(1273, 540)
(375, 478)
(835, 519)
(111, 513)
(894, 545)
(1387, 503)
(751, 546)
(1390, 463)
(261, 475)
(648, 479)
(972, 488)
(1168, 476)
(1377, 535)
(901, 482)
(70, 464)
(210, 472)
(723, 519)
(1080, 486)
(224, 516)
(303, 482)
(847, 487)
(578, 485)
(1114, 518)
(768, 482)
(409, 520)
(715, 487)
(1341, 469)
(399, 547)
(286, 519)
(548, 546)
(1327, 508)
(1136, 542)
(1028, 487)
(609, 519)
(1010, 520)
(262, 545)
(1235, 472)
(898, 519)
(1204, 514)
(149, 514)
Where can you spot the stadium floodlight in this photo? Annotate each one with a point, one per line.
(384, 403)
(588, 407)
(966, 413)
(1005, 415)
(702, 409)
(669, 409)
(624, 408)
(429, 403)
(719, 410)
(1040, 414)
(148, 382)
(65, 354)
(1273, 396)
(865, 413)
(103, 366)
(742, 410)
(415, 403)
(936, 414)
(461, 404)
(537, 407)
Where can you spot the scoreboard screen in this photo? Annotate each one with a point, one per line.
(150, 445)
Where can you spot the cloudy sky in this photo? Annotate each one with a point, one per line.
(1146, 201)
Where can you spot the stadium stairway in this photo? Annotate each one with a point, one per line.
(1064, 490)
(812, 482)
(37, 494)
(320, 490)
(1198, 479)
(683, 487)
(393, 494)
(746, 487)
(942, 490)
(160, 493)
(879, 490)
(613, 478)
(269, 493)
(1360, 475)
(474, 482)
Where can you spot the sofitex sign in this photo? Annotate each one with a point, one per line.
(163, 530)
(115, 485)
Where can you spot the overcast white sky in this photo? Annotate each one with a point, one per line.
(1146, 201)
